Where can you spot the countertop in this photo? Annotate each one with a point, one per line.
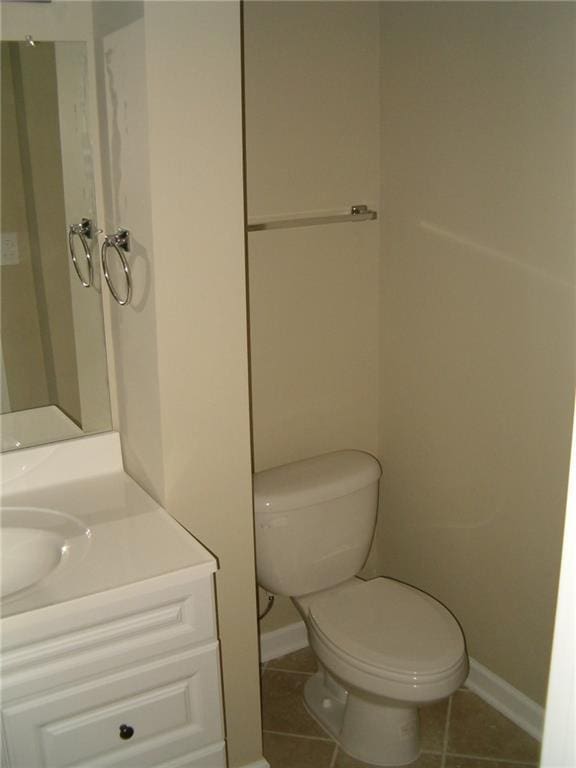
(132, 538)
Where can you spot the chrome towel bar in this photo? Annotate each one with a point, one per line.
(357, 213)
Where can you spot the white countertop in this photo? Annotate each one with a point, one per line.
(132, 538)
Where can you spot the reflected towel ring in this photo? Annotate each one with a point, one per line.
(84, 232)
(121, 244)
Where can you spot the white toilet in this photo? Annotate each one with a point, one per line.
(384, 648)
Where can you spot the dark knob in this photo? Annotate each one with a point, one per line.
(126, 731)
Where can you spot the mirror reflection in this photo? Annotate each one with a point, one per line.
(53, 358)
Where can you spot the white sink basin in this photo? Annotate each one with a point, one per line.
(35, 543)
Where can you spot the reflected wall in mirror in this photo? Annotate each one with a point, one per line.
(53, 356)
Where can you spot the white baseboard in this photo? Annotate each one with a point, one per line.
(492, 689)
(258, 764)
(508, 700)
(284, 640)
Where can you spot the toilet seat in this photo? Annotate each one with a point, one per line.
(389, 631)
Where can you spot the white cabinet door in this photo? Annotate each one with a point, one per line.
(168, 707)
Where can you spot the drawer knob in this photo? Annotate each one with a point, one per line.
(126, 731)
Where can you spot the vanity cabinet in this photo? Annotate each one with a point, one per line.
(128, 677)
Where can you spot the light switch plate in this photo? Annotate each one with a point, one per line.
(9, 253)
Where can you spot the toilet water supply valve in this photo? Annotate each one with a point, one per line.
(268, 608)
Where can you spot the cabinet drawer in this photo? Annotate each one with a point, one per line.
(172, 706)
(103, 633)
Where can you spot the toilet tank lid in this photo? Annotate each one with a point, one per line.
(313, 481)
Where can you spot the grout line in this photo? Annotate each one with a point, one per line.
(446, 733)
(334, 756)
(296, 735)
(492, 759)
(337, 747)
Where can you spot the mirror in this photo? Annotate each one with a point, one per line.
(54, 380)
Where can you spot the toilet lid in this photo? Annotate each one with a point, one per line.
(390, 626)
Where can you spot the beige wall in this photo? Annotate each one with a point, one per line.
(198, 203)
(311, 91)
(120, 49)
(173, 175)
(477, 315)
(475, 342)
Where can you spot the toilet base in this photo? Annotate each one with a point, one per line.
(372, 730)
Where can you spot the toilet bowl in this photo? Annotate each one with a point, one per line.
(383, 647)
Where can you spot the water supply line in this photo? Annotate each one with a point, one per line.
(268, 608)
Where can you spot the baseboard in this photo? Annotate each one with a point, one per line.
(515, 705)
(258, 764)
(284, 640)
(508, 700)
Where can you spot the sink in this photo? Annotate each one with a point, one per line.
(35, 543)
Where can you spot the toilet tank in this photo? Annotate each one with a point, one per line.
(314, 521)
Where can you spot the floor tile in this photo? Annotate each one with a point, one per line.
(476, 762)
(476, 729)
(299, 661)
(283, 705)
(424, 761)
(294, 752)
(433, 725)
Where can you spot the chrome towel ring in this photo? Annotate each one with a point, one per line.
(84, 232)
(120, 241)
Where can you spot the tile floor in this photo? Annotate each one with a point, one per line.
(463, 732)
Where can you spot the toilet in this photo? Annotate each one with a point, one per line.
(383, 647)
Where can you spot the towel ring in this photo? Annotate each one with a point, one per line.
(120, 241)
(83, 232)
